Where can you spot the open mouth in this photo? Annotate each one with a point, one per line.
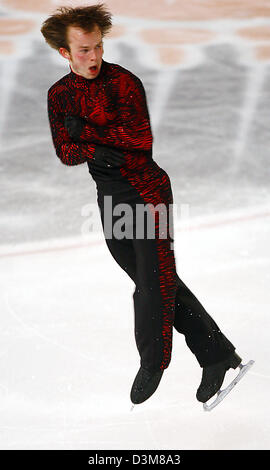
(93, 68)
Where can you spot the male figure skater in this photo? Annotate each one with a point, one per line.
(98, 114)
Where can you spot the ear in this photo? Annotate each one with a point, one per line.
(64, 53)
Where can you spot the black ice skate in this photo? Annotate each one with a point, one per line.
(144, 385)
(212, 379)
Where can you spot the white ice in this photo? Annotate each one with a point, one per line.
(68, 355)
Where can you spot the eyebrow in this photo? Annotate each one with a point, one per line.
(86, 47)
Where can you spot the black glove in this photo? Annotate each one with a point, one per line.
(107, 156)
(103, 155)
(74, 126)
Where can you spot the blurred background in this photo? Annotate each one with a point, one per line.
(205, 67)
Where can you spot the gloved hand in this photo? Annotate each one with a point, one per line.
(107, 156)
(74, 126)
(103, 155)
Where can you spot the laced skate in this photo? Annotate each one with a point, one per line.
(213, 377)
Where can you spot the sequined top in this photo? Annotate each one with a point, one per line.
(114, 105)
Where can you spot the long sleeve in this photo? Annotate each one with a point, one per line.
(131, 130)
(69, 152)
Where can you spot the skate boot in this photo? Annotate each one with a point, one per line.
(213, 376)
(144, 385)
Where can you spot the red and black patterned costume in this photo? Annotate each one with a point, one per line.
(114, 105)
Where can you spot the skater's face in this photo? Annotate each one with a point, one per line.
(86, 51)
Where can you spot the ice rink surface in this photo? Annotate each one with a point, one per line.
(67, 352)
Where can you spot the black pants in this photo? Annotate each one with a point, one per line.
(161, 299)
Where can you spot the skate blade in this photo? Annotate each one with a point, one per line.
(221, 394)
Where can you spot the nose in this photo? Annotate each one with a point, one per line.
(93, 55)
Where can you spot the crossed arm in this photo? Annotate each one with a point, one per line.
(131, 131)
